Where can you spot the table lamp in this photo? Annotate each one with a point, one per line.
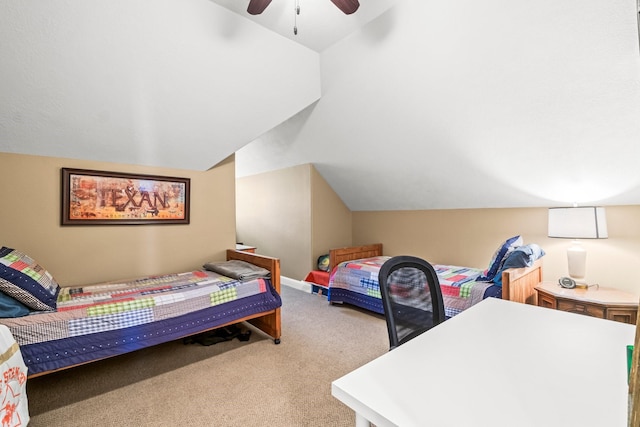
(584, 222)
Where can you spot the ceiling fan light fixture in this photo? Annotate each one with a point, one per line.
(347, 6)
(256, 7)
(296, 12)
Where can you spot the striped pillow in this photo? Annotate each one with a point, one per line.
(26, 281)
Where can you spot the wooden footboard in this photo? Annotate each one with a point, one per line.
(269, 322)
(518, 284)
(336, 256)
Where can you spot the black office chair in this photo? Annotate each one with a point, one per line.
(411, 298)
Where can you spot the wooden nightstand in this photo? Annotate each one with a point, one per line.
(245, 248)
(602, 302)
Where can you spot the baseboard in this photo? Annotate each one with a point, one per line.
(296, 284)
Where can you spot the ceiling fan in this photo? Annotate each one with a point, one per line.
(256, 7)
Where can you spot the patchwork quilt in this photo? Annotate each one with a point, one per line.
(356, 282)
(460, 290)
(112, 318)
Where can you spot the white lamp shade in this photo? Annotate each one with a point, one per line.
(578, 223)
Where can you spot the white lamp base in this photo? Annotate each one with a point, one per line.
(577, 258)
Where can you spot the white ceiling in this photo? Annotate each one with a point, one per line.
(406, 104)
(320, 23)
(466, 104)
(171, 83)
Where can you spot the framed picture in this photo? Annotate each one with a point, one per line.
(92, 197)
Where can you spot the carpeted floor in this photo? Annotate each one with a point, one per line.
(234, 383)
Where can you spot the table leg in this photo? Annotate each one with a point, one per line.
(361, 421)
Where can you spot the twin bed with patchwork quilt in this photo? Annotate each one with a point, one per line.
(511, 275)
(77, 325)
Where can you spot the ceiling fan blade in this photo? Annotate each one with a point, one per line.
(347, 6)
(256, 7)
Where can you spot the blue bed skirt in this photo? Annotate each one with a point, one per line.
(339, 295)
(66, 352)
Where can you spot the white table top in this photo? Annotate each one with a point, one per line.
(499, 363)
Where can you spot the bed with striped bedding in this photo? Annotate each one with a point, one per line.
(356, 282)
(354, 277)
(102, 320)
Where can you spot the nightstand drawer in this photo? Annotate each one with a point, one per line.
(547, 301)
(600, 302)
(581, 308)
(624, 315)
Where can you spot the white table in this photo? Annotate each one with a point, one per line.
(499, 363)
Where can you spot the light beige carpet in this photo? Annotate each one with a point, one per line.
(253, 383)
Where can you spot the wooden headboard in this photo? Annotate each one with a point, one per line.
(336, 256)
(271, 264)
(268, 322)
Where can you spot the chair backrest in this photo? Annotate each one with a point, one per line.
(411, 298)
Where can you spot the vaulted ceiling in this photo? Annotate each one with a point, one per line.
(474, 104)
(405, 104)
(319, 24)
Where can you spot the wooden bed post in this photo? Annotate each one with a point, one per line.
(634, 382)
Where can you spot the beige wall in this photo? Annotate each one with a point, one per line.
(89, 254)
(294, 214)
(291, 214)
(469, 237)
(273, 214)
(330, 217)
